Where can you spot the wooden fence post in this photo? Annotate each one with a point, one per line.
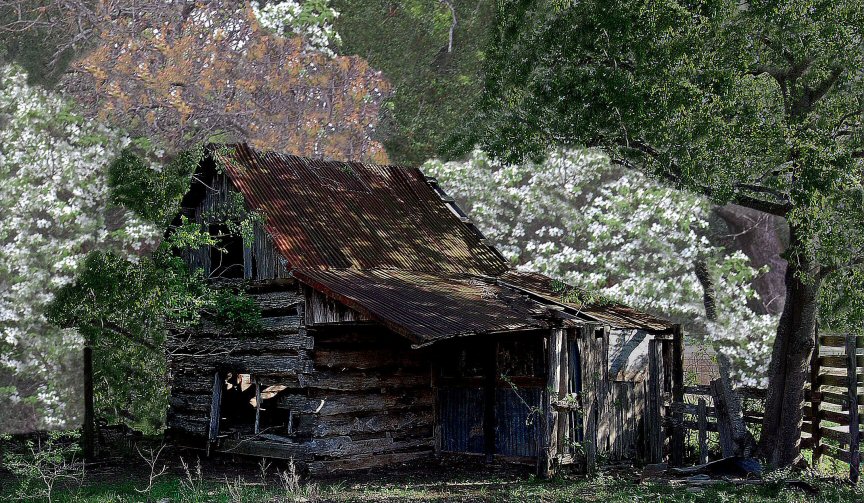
(815, 404)
(854, 429)
(676, 445)
(702, 421)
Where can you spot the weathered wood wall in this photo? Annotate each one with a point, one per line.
(356, 396)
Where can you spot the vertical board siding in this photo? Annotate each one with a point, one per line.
(516, 421)
(461, 418)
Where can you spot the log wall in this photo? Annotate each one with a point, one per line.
(354, 397)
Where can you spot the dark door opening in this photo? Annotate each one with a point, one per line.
(489, 395)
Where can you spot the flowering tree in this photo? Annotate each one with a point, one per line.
(577, 217)
(54, 198)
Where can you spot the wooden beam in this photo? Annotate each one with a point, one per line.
(702, 421)
(676, 445)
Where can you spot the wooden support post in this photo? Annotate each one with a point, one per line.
(702, 421)
(815, 403)
(676, 446)
(724, 429)
(854, 429)
(654, 421)
(550, 448)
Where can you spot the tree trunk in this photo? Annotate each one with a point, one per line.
(88, 442)
(790, 357)
(730, 416)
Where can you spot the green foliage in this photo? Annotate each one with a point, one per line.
(42, 465)
(435, 90)
(124, 309)
(152, 193)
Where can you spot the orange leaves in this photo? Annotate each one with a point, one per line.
(186, 73)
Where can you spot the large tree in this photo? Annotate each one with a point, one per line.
(755, 103)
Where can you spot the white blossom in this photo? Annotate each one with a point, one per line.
(578, 218)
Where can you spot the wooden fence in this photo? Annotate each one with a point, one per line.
(694, 415)
(832, 401)
(835, 374)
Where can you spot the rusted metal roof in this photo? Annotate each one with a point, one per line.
(380, 240)
(425, 307)
(328, 214)
(616, 315)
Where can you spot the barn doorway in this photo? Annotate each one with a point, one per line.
(489, 393)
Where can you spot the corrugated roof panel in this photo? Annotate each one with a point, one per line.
(616, 315)
(325, 214)
(426, 307)
(381, 240)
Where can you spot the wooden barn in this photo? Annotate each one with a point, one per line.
(392, 332)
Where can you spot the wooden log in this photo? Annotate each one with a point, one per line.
(549, 450)
(373, 358)
(273, 365)
(190, 402)
(838, 398)
(195, 425)
(365, 462)
(854, 429)
(277, 301)
(205, 347)
(702, 421)
(333, 404)
(267, 449)
(347, 424)
(676, 445)
(269, 325)
(354, 381)
(342, 446)
(835, 452)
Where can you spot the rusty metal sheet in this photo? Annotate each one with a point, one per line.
(324, 214)
(616, 315)
(426, 307)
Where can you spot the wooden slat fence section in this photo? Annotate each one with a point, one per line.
(836, 375)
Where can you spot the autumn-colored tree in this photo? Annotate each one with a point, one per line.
(181, 73)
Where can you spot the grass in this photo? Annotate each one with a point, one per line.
(446, 487)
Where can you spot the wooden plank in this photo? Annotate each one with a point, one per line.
(676, 445)
(654, 420)
(838, 398)
(839, 361)
(839, 341)
(724, 429)
(840, 381)
(702, 421)
(854, 430)
(835, 452)
(265, 364)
